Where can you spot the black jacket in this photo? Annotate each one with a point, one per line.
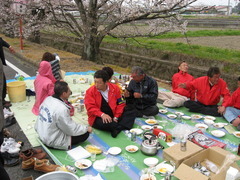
(3, 44)
(148, 88)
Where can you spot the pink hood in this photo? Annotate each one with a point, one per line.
(43, 85)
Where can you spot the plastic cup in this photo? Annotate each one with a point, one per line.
(93, 156)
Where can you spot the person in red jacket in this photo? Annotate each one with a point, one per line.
(178, 96)
(105, 106)
(232, 108)
(209, 90)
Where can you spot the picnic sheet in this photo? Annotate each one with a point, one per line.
(129, 165)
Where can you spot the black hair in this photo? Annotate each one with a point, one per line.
(137, 70)
(47, 56)
(109, 71)
(102, 74)
(239, 78)
(181, 64)
(59, 88)
(212, 71)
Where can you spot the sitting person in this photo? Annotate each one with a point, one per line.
(178, 96)
(231, 111)
(53, 59)
(43, 85)
(209, 90)
(105, 107)
(142, 92)
(54, 125)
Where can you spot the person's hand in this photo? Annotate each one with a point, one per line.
(137, 95)
(11, 49)
(106, 118)
(126, 93)
(221, 110)
(182, 85)
(115, 119)
(89, 129)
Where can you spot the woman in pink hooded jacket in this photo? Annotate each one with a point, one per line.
(43, 85)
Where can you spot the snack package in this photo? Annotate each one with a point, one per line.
(202, 140)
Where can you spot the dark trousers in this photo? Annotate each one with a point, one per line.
(3, 173)
(198, 107)
(126, 121)
(149, 111)
(80, 138)
(4, 91)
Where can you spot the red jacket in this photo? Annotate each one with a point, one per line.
(234, 100)
(93, 101)
(207, 95)
(179, 78)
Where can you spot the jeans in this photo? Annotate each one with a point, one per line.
(231, 114)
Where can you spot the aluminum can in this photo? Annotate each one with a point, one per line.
(183, 145)
(71, 169)
(74, 81)
(133, 136)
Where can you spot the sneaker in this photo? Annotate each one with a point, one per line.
(13, 150)
(7, 112)
(6, 104)
(4, 147)
(10, 159)
(44, 166)
(13, 142)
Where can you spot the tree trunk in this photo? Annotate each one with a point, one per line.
(91, 48)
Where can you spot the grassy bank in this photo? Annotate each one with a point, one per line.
(194, 50)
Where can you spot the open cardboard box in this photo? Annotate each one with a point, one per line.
(175, 154)
(215, 154)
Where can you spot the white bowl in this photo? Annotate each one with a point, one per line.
(146, 127)
(196, 116)
(210, 118)
(131, 148)
(150, 161)
(179, 113)
(172, 116)
(208, 122)
(218, 133)
(237, 134)
(114, 150)
(136, 130)
(219, 125)
(201, 126)
(83, 163)
(146, 177)
(186, 117)
(163, 111)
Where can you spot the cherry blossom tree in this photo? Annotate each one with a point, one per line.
(92, 20)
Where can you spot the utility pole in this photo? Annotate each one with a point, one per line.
(228, 8)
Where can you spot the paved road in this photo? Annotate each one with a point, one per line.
(16, 173)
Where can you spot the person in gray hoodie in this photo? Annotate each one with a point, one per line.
(54, 125)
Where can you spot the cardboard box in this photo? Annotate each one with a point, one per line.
(215, 154)
(175, 154)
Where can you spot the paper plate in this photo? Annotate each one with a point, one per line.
(172, 116)
(137, 131)
(83, 163)
(131, 148)
(201, 126)
(163, 168)
(114, 150)
(219, 125)
(163, 111)
(196, 116)
(210, 118)
(218, 133)
(179, 113)
(237, 134)
(151, 121)
(186, 117)
(146, 127)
